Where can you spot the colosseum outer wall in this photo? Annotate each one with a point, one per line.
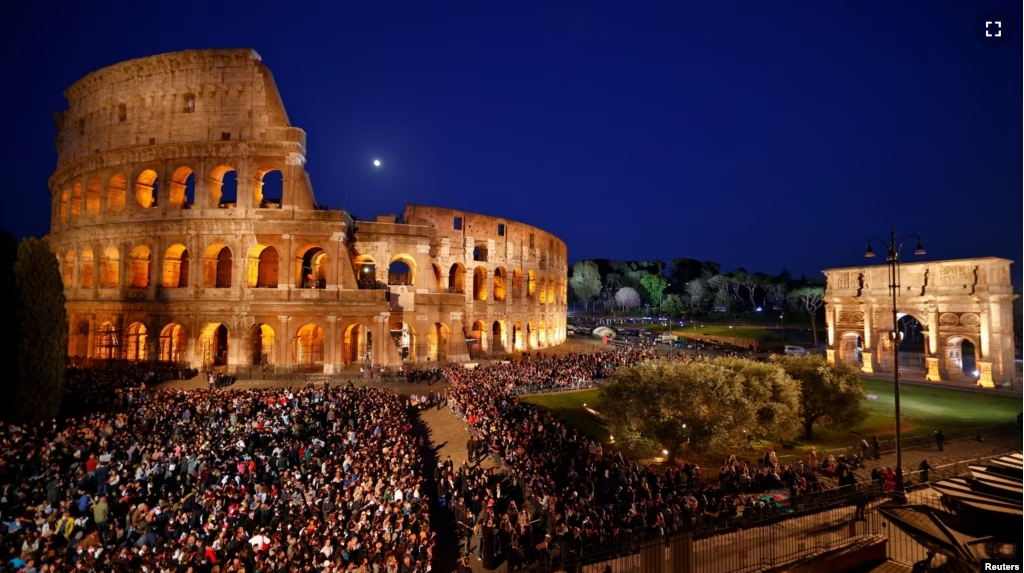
(171, 251)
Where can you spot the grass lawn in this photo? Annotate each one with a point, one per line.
(924, 410)
(792, 335)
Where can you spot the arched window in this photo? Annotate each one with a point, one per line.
(480, 283)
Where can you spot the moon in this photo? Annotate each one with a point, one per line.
(376, 162)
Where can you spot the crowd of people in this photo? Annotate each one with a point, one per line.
(89, 389)
(314, 479)
(587, 498)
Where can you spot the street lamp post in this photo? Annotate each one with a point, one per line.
(782, 327)
(893, 247)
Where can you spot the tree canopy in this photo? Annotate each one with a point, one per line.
(710, 404)
(42, 330)
(585, 281)
(831, 395)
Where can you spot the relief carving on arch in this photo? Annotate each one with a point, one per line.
(842, 280)
(970, 319)
(948, 319)
(851, 317)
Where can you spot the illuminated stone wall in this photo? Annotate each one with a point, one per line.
(953, 301)
(171, 250)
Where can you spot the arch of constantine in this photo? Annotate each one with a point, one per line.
(174, 247)
(956, 301)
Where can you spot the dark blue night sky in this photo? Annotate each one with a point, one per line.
(756, 134)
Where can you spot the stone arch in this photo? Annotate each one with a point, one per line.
(135, 340)
(139, 262)
(308, 345)
(531, 334)
(176, 270)
(106, 342)
(268, 188)
(439, 342)
(68, 270)
(182, 188)
(457, 278)
(518, 337)
(531, 284)
(217, 261)
(850, 348)
(960, 356)
(397, 275)
(366, 271)
(262, 345)
(147, 186)
(223, 187)
(173, 343)
(480, 283)
(110, 268)
(480, 251)
(93, 201)
(500, 284)
(117, 193)
(550, 298)
(550, 333)
(498, 336)
(65, 202)
(262, 267)
(405, 340)
(76, 201)
(311, 267)
(213, 344)
(517, 283)
(85, 268)
(438, 279)
(357, 343)
(479, 334)
(542, 334)
(78, 339)
(542, 296)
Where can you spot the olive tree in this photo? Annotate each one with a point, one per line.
(831, 395)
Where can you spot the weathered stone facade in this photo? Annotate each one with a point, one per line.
(163, 261)
(957, 300)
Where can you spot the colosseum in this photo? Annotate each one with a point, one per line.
(172, 248)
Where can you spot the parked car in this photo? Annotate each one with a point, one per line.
(795, 350)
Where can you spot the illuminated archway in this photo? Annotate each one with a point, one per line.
(531, 335)
(261, 345)
(498, 336)
(850, 348)
(357, 344)
(517, 284)
(439, 342)
(405, 340)
(518, 337)
(173, 343)
(65, 200)
(308, 345)
(402, 270)
(262, 267)
(531, 284)
(550, 299)
(479, 334)
(117, 193)
(217, 263)
(223, 187)
(176, 267)
(92, 197)
(110, 268)
(68, 272)
(86, 268)
(136, 340)
(268, 191)
(366, 271)
(139, 262)
(960, 358)
(438, 280)
(106, 341)
(542, 334)
(542, 296)
(457, 279)
(480, 283)
(76, 200)
(311, 267)
(146, 189)
(500, 281)
(213, 342)
(182, 189)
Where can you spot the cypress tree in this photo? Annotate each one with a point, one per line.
(42, 329)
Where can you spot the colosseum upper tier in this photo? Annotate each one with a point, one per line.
(171, 250)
